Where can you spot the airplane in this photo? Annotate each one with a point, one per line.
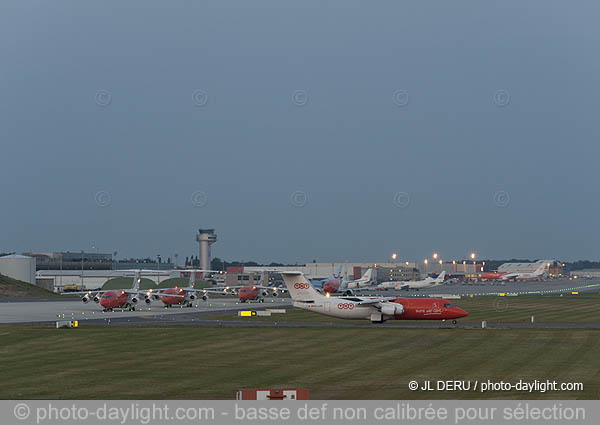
(428, 282)
(537, 274)
(492, 275)
(183, 295)
(118, 298)
(376, 309)
(347, 286)
(334, 278)
(247, 293)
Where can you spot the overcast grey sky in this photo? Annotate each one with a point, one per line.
(327, 130)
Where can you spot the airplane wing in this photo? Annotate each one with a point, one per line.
(367, 288)
(272, 288)
(84, 292)
(376, 300)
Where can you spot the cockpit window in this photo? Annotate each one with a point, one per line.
(449, 305)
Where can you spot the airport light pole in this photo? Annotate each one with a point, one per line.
(157, 269)
(82, 270)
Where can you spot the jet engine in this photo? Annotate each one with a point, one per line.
(148, 300)
(275, 293)
(85, 299)
(390, 309)
(265, 293)
(96, 299)
(192, 296)
(205, 297)
(349, 292)
(134, 300)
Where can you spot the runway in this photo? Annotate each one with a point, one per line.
(51, 311)
(556, 286)
(198, 321)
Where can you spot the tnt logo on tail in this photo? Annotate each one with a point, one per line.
(299, 288)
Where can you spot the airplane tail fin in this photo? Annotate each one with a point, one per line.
(136, 281)
(541, 270)
(337, 275)
(441, 276)
(299, 287)
(367, 276)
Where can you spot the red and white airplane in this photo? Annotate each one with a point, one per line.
(492, 275)
(249, 293)
(117, 298)
(183, 295)
(375, 309)
(536, 275)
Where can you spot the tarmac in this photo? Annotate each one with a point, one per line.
(52, 311)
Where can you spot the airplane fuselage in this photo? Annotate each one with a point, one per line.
(114, 299)
(405, 308)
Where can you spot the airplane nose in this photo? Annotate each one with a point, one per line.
(462, 313)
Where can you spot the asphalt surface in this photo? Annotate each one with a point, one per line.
(47, 312)
(198, 320)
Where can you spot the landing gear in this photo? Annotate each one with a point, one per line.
(129, 307)
(261, 300)
(190, 305)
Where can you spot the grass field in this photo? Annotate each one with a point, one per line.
(335, 363)
(12, 288)
(583, 308)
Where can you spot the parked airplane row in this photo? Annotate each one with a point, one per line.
(127, 299)
(537, 274)
(320, 292)
(304, 295)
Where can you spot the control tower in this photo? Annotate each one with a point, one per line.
(205, 237)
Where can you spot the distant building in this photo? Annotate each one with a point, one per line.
(555, 267)
(586, 273)
(71, 260)
(398, 273)
(18, 267)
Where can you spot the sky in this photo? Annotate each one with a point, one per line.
(317, 130)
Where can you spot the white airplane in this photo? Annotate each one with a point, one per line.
(347, 287)
(537, 274)
(365, 280)
(428, 282)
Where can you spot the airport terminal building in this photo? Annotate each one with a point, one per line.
(555, 267)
